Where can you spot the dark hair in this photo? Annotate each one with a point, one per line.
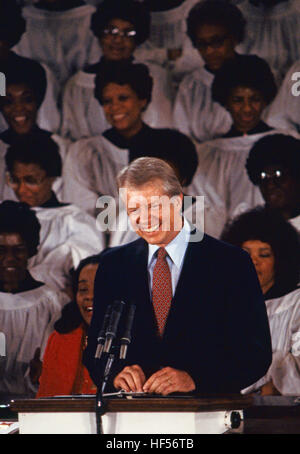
(30, 73)
(274, 149)
(35, 148)
(270, 227)
(121, 73)
(130, 10)
(216, 12)
(16, 217)
(244, 70)
(12, 24)
(70, 316)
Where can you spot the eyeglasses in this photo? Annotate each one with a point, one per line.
(30, 182)
(115, 31)
(276, 175)
(215, 43)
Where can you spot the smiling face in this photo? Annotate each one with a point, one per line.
(215, 45)
(13, 260)
(85, 292)
(19, 108)
(245, 105)
(31, 183)
(263, 259)
(152, 215)
(123, 109)
(114, 46)
(280, 189)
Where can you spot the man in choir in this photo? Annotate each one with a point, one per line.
(200, 322)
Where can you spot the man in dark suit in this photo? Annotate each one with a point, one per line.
(200, 322)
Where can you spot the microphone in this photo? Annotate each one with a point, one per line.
(101, 337)
(126, 339)
(113, 324)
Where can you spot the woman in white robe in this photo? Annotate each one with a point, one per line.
(215, 28)
(67, 234)
(272, 32)
(58, 34)
(82, 114)
(93, 164)
(261, 233)
(245, 86)
(24, 95)
(12, 26)
(28, 308)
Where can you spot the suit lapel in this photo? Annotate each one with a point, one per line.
(188, 291)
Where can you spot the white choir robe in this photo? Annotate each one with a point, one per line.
(168, 31)
(6, 192)
(67, 236)
(27, 320)
(83, 116)
(295, 222)
(222, 177)
(49, 115)
(61, 39)
(284, 321)
(284, 112)
(273, 34)
(195, 113)
(90, 171)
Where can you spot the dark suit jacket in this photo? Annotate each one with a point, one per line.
(217, 329)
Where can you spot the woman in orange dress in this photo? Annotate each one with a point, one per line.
(62, 371)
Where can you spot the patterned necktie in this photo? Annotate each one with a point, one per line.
(161, 290)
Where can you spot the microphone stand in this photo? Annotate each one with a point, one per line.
(100, 402)
(108, 351)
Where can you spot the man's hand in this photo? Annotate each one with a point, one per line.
(131, 378)
(169, 380)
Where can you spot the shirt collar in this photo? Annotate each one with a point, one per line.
(176, 248)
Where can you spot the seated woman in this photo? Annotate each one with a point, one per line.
(25, 91)
(215, 28)
(273, 32)
(244, 87)
(273, 245)
(62, 371)
(28, 308)
(67, 234)
(120, 28)
(273, 165)
(124, 91)
(12, 26)
(58, 34)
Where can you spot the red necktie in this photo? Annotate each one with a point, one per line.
(161, 290)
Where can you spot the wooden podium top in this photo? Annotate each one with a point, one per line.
(134, 404)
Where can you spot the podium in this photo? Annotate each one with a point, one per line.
(161, 415)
